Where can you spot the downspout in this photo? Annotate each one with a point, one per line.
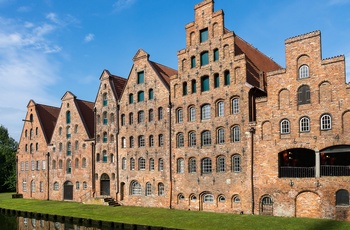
(93, 144)
(16, 173)
(48, 175)
(117, 152)
(252, 132)
(170, 156)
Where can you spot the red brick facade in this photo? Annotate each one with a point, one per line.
(230, 131)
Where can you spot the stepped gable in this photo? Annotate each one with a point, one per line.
(48, 117)
(86, 110)
(164, 72)
(260, 60)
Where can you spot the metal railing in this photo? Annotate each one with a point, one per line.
(335, 170)
(296, 172)
(84, 197)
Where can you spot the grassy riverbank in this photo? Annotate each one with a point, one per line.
(166, 217)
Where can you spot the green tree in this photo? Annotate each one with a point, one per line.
(8, 147)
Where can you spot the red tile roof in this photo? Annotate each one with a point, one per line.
(47, 116)
(118, 84)
(86, 110)
(164, 72)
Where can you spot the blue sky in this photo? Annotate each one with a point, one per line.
(48, 47)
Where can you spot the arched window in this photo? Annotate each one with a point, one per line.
(53, 164)
(304, 95)
(76, 147)
(206, 165)
(205, 83)
(112, 117)
(105, 100)
(192, 113)
(285, 126)
(151, 164)
(151, 141)
(141, 141)
(220, 139)
(104, 117)
(131, 98)
(68, 132)
(303, 72)
(326, 122)
(204, 58)
(105, 138)
(150, 94)
(236, 163)
(55, 186)
(193, 62)
(192, 165)
(208, 198)
(83, 164)
(179, 115)
(135, 188)
(104, 156)
(142, 163)
(160, 113)
(131, 142)
(150, 115)
(266, 205)
(180, 140)
(205, 115)
(148, 191)
(192, 139)
(131, 118)
(180, 168)
(160, 164)
(76, 128)
(235, 106)
(68, 117)
(180, 197)
(123, 142)
(304, 124)
(216, 55)
(160, 189)
(140, 96)
(220, 109)
(227, 79)
(342, 197)
(206, 138)
(141, 116)
(132, 164)
(76, 163)
(122, 118)
(220, 164)
(235, 134)
(123, 163)
(221, 198)
(69, 166)
(184, 89)
(161, 140)
(69, 149)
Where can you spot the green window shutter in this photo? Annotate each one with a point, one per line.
(140, 77)
(193, 62)
(68, 117)
(205, 83)
(204, 35)
(216, 81)
(227, 77)
(216, 55)
(204, 58)
(140, 96)
(131, 98)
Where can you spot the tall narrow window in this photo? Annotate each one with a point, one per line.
(205, 83)
(150, 94)
(105, 118)
(216, 80)
(161, 140)
(204, 58)
(105, 138)
(220, 164)
(235, 106)
(206, 138)
(140, 77)
(220, 109)
(203, 35)
(303, 71)
(141, 116)
(180, 140)
(141, 141)
(122, 118)
(150, 115)
(123, 163)
(184, 89)
(151, 141)
(69, 149)
(160, 164)
(193, 62)
(131, 142)
(140, 96)
(205, 112)
(179, 115)
(304, 124)
(227, 79)
(193, 86)
(160, 113)
(180, 165)
(68, 131)
(148, 189)
(216, 55)
(132, 164)
(131, 98)
(192, 139)
(235, 134)
(192, 165)
(151, 164)
(192, 113)
(236, 163)
(304, 95)
(326, 122)
(221, 136)
(123, 142)
(104, 156)
(68, 117)
(131, 118)
(160, 189)
(142, 163)
(285, 126)
(105, 100)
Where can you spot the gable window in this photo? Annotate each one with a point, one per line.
(216, 55)
(205, 112)
(140, 77)
(105, 100)
(184, 89)
(206, 138)
(131, 98)
(326, 122)
(227, 79)
(68, 117)
(216, 80)
(203, 35)
(285, 126)
(304, 124)
(193, 86)
(140, 96)
(304, 95)
(204, 58)
(192, 139)
(206, 165)
(193, 62)
(303, 72)
(150, 94)
(235, 134)
(204, 83)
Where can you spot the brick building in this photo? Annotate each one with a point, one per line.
(229, 131)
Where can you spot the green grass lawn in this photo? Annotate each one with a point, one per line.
(166, 217)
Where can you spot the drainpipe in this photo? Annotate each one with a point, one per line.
(16, 173)
(170, 155)
(252, 132)
(117, 153)
(48, 175)
(93, 144)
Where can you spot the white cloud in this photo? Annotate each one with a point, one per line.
(123, 4)
(89, 37)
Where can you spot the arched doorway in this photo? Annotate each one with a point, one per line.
(105, 185)
(68, 190)
(308, 204)
(266, 206)
(122, 190)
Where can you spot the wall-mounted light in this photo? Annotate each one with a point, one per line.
(291, 183)
(318, 184)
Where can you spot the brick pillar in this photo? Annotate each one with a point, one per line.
(317, 163)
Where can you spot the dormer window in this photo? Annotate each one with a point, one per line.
(204, 35)
(303, 72)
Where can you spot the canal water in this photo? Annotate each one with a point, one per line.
(12, 222)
